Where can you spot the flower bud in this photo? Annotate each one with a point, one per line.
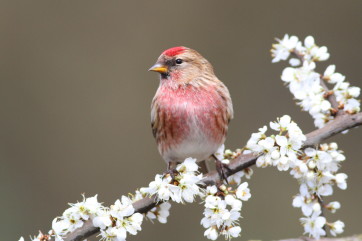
(311, 164)
(275, 155)
(222, 188)
(333, 146)
(310, 175)
(316, 207)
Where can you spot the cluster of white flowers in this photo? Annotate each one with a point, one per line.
(75, 216)
(311, 52)
(222, 205)
(305, 83)
(345, 94)
(118, 220)
(40, 237)
(222, 210)
(114, 222)
(180, 187)
(159, 212)
(316, 171)
(279, 150)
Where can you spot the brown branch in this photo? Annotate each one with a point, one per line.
(339, 124)
(329, 96)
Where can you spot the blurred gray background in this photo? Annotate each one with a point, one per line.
(75, 103)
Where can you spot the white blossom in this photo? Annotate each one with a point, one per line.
(60, 227)
(331, 76)
(294, 62)
(340, 179)
(187, 166)
(354, 91)
(188, 187)
(164, 212)
(113, 234)
(211, 233)
(134, 223)
(233, 202)
(73, 219)
(309, 42)
(211, 190)
(183, 188)
(282, 49)
(319, 54)
(161, 185)
(231, 232)
(345, 95)
(282, 124)
(305, 200)
(243, 192)
(314, 226)
(299, 170)
(122, 208)
(336, 227)
(352, 105)
(333, 206)
(103, 220)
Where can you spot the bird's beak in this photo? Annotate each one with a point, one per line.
(160, 68)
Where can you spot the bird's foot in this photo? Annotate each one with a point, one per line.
(172, 173)
(171, 170)
(222, 170)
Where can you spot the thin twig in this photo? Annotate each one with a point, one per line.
(321, 203)
(330, 96)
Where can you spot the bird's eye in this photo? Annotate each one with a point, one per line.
(178, 61)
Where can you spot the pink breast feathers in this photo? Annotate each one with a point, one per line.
(191, 113)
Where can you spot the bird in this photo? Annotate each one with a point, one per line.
(191, 109)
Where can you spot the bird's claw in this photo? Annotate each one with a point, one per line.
(171, 170)
(222, 169)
